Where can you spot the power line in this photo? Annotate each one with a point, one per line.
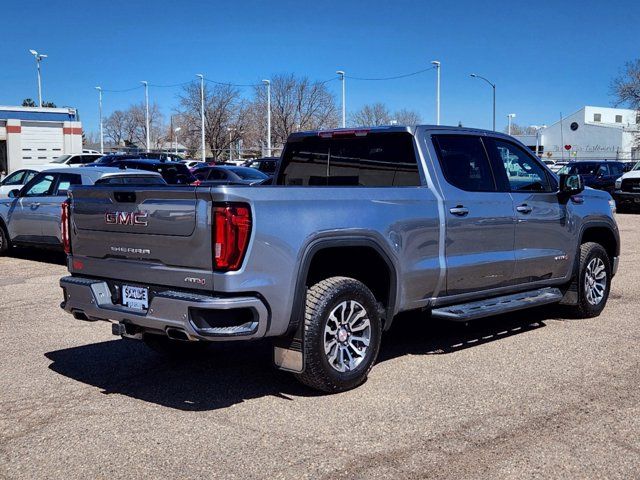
(230, 84)
(169, 86)
(395, 77)
(123, 90)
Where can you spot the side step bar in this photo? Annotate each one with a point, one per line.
(495, 306)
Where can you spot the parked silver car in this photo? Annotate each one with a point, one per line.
(31, 214)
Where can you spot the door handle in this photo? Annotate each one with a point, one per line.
(35, 205)
(459, 211)
(524, 208)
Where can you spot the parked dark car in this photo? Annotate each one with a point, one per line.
(174, 173)
(601, 175)
(231, 175)
(110, 159)
(267, 165)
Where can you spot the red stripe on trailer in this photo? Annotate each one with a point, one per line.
(72, 131)
(14, 129)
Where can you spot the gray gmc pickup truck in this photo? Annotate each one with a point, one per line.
(358, 226)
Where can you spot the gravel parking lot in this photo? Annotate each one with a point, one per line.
(527, 395)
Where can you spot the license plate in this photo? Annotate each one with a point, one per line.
(135, 297)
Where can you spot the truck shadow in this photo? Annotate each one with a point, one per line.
(39, 255)
(230, 373)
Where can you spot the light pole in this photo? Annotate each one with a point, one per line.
(175, 137)
(344, 106)
(230, 129)
(493, 86)
(268, 84)
(38, 57)
(436, 64)
(510, 117)
(146, 115)
(100, 114)
(537, 129)
(203, 147)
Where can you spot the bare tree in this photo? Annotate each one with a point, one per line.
(129, 126)
(371, 116)
(378, 114)
(520, 130)
(225, 117)
(625, 88)
(296, 104)
(407, 117)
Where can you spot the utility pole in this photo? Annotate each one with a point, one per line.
(146, 115)
(203, 146)
(436, 64)
(100, 114)
(268, 84)
(344, 107)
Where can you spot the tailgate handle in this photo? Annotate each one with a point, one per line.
(125, 197)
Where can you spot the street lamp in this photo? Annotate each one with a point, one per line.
(344, 107)
(99, 89)
(146, 114)
(510, 117)
(436, 64)
(268, 84)
(231, 129)
(38, 57)
(493, 85)
(537, 128)
(175, 137)
(201, 77)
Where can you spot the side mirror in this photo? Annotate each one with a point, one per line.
(571, 184)
(14, 193)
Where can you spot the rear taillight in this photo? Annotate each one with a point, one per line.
(65, 231)
(232, 229)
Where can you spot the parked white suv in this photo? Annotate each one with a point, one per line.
(74, 160)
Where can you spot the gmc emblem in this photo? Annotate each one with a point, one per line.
(126, 218)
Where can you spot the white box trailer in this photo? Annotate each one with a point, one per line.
(35, 136)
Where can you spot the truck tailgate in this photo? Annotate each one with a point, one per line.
(157, 235)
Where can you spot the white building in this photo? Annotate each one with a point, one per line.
(590, 133)
(35, 136)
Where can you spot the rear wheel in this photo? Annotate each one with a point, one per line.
(342, 333)
(593, 281)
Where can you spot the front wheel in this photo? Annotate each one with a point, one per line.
(4, 240)
(593, 281)
(342, 332)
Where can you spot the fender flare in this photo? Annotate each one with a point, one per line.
(332, 240)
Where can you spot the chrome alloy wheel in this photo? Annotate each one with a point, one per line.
(347, 335)
(595, 281)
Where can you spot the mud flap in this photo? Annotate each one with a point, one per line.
(288, 351)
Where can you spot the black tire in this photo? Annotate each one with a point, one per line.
(586, 308)
(323, 298)
(4, 240)
(167, 347)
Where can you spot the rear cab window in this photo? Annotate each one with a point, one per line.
(372, 159)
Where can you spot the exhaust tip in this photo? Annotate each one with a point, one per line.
(178, 334)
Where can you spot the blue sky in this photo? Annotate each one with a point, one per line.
(545, 56)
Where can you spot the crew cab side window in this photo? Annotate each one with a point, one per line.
(464, 162)
(524, 173)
